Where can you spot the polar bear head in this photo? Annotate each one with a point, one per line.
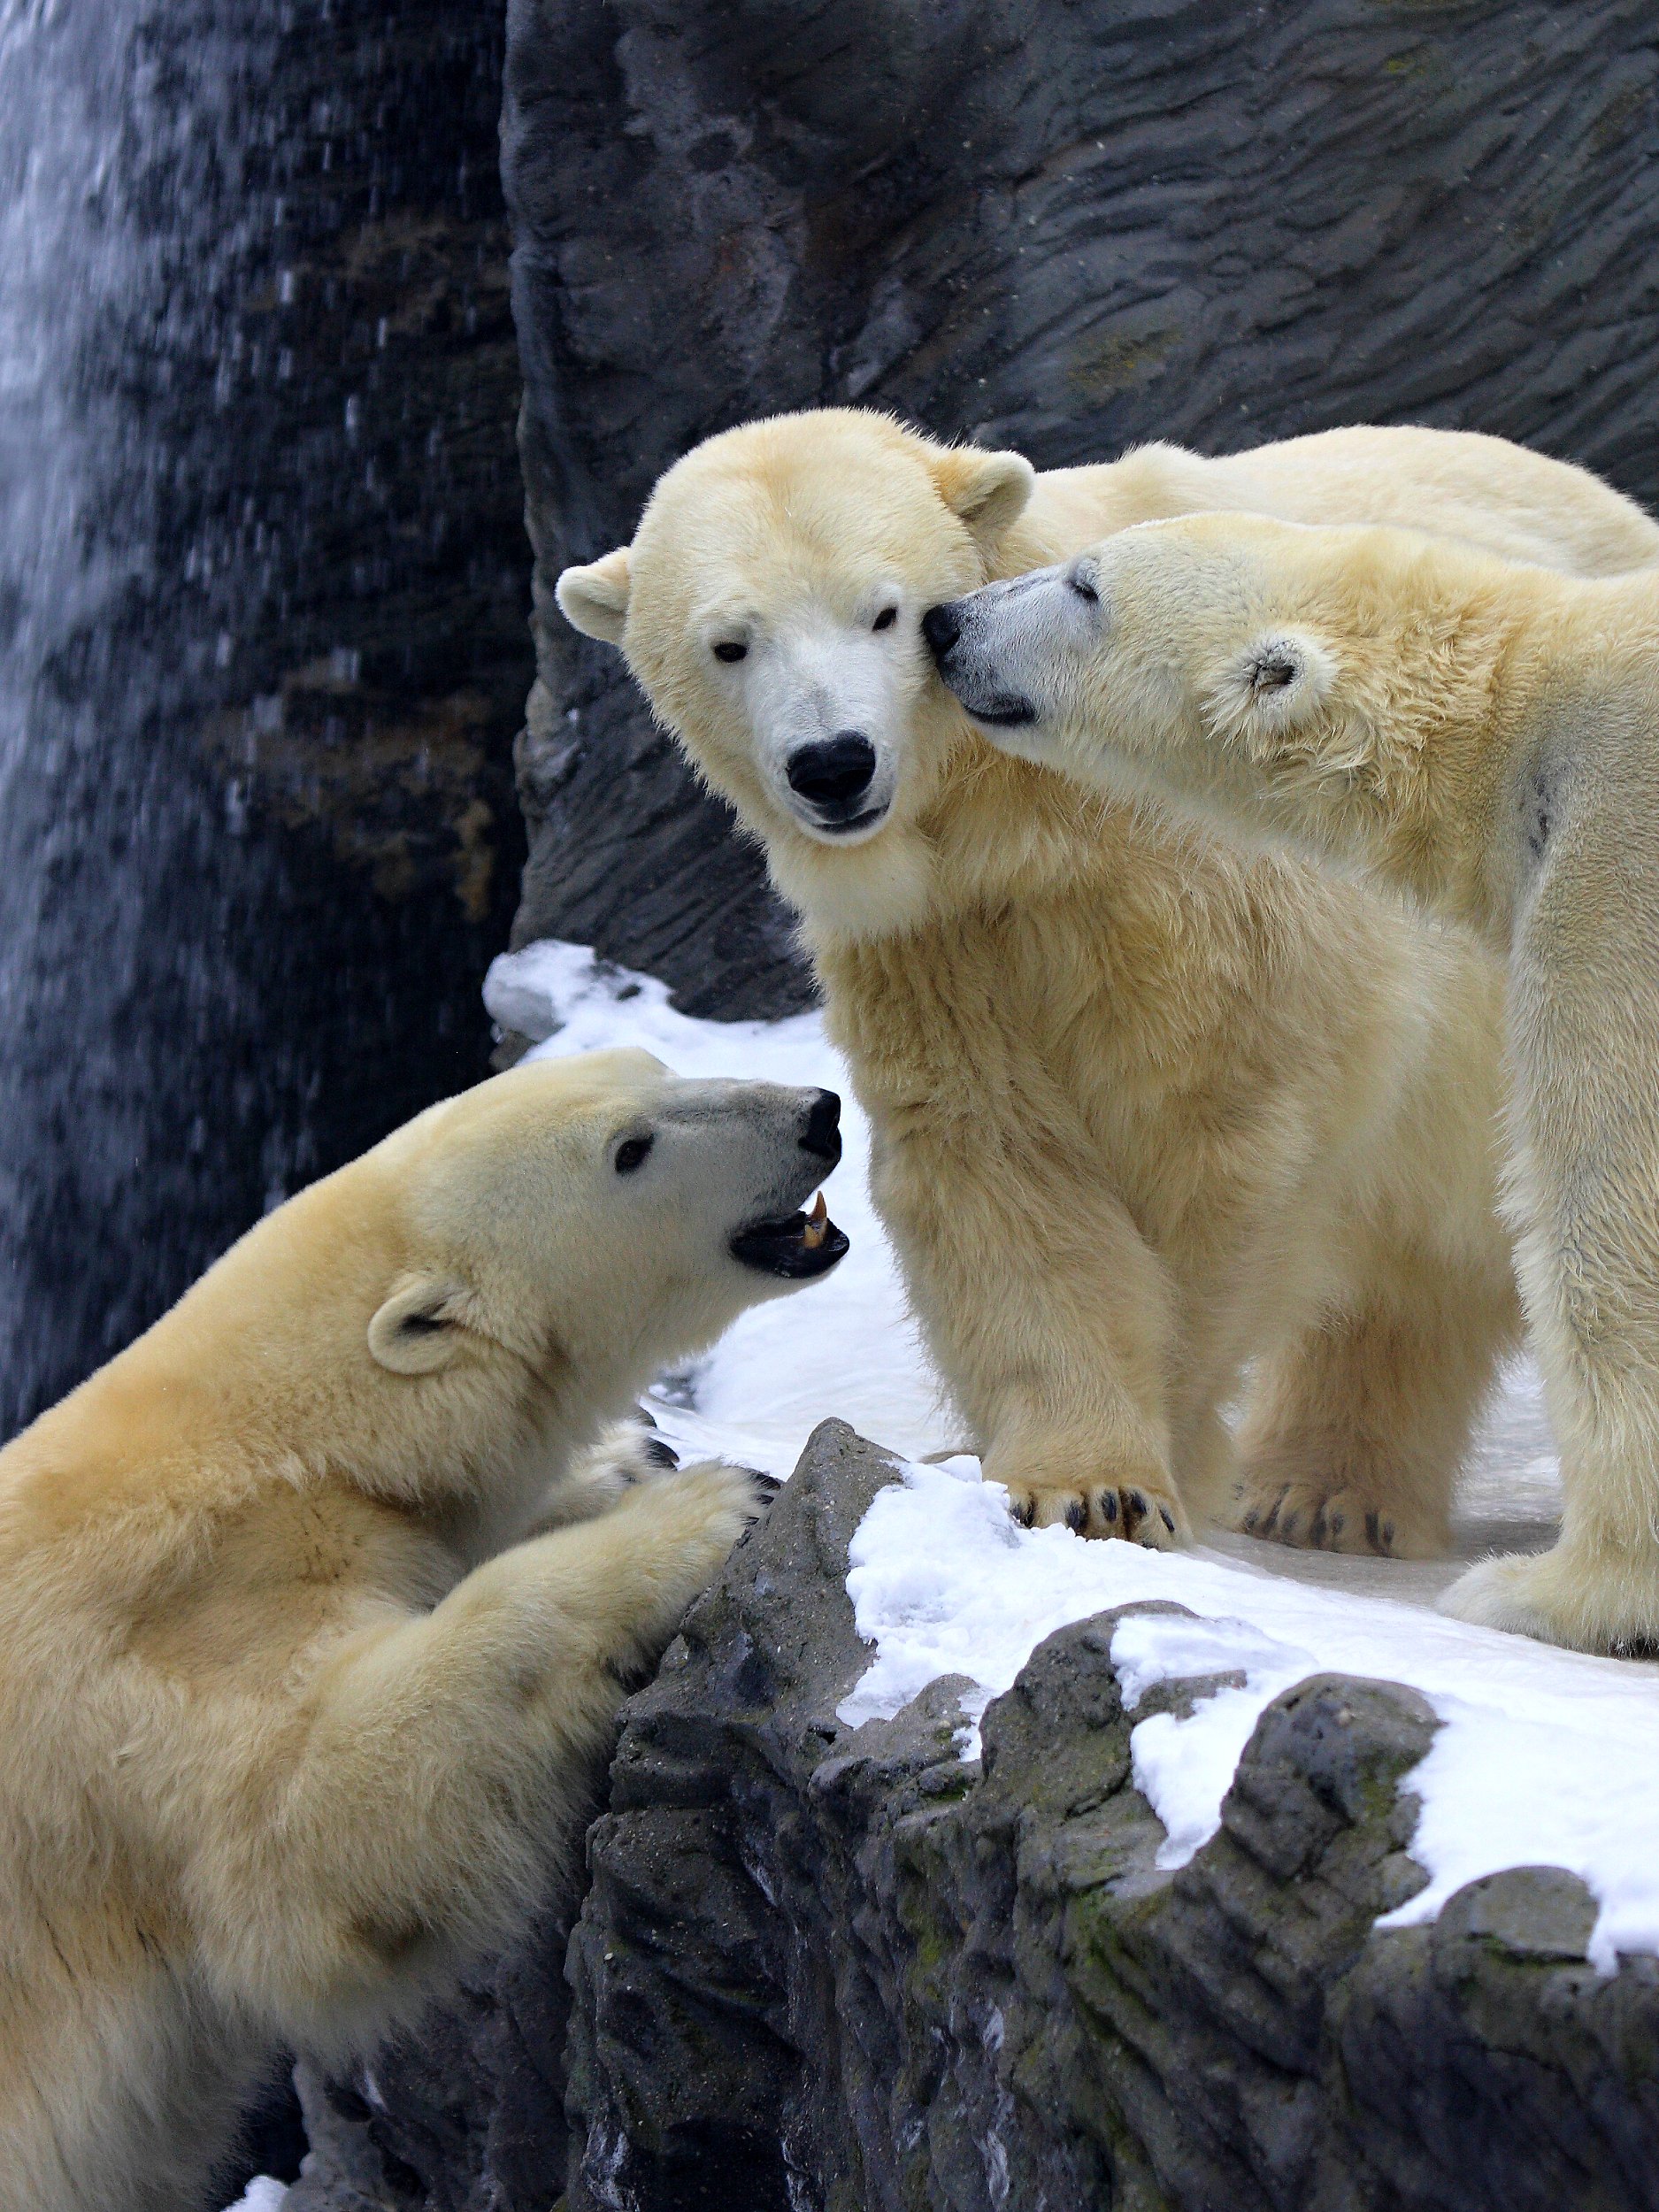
(1228, 661)
(601, 1212)
(507, 1271)
(770, 606)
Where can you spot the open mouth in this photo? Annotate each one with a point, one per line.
(797, 1247)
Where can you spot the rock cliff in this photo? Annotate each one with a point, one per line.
(847, 1969)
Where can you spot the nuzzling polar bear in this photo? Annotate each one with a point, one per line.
(318, 1604)
(1146, 1112)
(1487, 736)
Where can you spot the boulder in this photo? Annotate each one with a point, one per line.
(1067, 229)
(852, 1971)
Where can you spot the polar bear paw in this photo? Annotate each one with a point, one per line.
(621, 1458)
(1139, 1513)
(1313, 1516)
(704, 1510)
(1555, 1599)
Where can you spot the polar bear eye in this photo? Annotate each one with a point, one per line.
(730, 650)
(1083, 584)
(885, 619)
(633, 1152)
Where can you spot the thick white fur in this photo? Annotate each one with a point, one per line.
(1149, 1113)
(1487, 736)
(295, 1705)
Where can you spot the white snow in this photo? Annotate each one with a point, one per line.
(1545, 1757)
(262, 2194)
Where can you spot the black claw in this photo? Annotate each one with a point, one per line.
(1077, 1516)
(1108, 1505)
(1388, 1535)
(1287, 1526)
(1137, 1505)
(1316, 1529)
(1023, 1511)
(659, 1451)
(1374, 1531)
(1167, 1517)
(1251, 1518)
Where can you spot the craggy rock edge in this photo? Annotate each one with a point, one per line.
(844, 1970)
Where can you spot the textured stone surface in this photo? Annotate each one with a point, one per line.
(821, 1970)
(1063, 228)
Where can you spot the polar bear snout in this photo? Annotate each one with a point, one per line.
(822, 1135)
(834, 776)
(968, 641)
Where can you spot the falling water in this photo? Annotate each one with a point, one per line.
(261, 623)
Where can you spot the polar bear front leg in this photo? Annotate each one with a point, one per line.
(401, 1820)
(1353, 1431)
(1051, 1318)
(623, 1455)
(1583, 1040)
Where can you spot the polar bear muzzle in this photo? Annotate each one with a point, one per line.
(797, 1245)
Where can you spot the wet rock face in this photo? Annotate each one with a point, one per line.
(263, 593)
(846, 1971)
(1063, 228)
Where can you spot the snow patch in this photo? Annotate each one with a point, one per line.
(1545, 1757)
(262, 2194)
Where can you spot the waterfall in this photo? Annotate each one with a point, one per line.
(262, 591)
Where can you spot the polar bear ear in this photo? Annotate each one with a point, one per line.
(419, 1328)
(1277, 683)
(988, 490)
(595, 599)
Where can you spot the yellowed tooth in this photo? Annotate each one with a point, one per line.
(817, 1223)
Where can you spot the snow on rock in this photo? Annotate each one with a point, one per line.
(1545, 1757)
(262, 2194)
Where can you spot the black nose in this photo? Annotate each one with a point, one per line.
(942, 629)
(822, 1134)
(835, 771)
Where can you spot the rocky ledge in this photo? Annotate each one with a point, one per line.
(847, 1969)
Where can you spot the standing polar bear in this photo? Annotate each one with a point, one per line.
(1147, 1114)
(1487, 736)
(318, 1604)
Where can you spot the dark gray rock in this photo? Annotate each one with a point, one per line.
(342, 2170)
(826, 1970)
(838, 1968)
(1062, 229)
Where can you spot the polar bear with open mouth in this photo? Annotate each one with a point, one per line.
(318, 1604)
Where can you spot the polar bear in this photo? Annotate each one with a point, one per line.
(318, 1604)
(1146, 1113)
(1486, 736)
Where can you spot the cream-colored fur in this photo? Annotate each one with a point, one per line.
(1148, 1112)
(295, 1709)
(1488, 737)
